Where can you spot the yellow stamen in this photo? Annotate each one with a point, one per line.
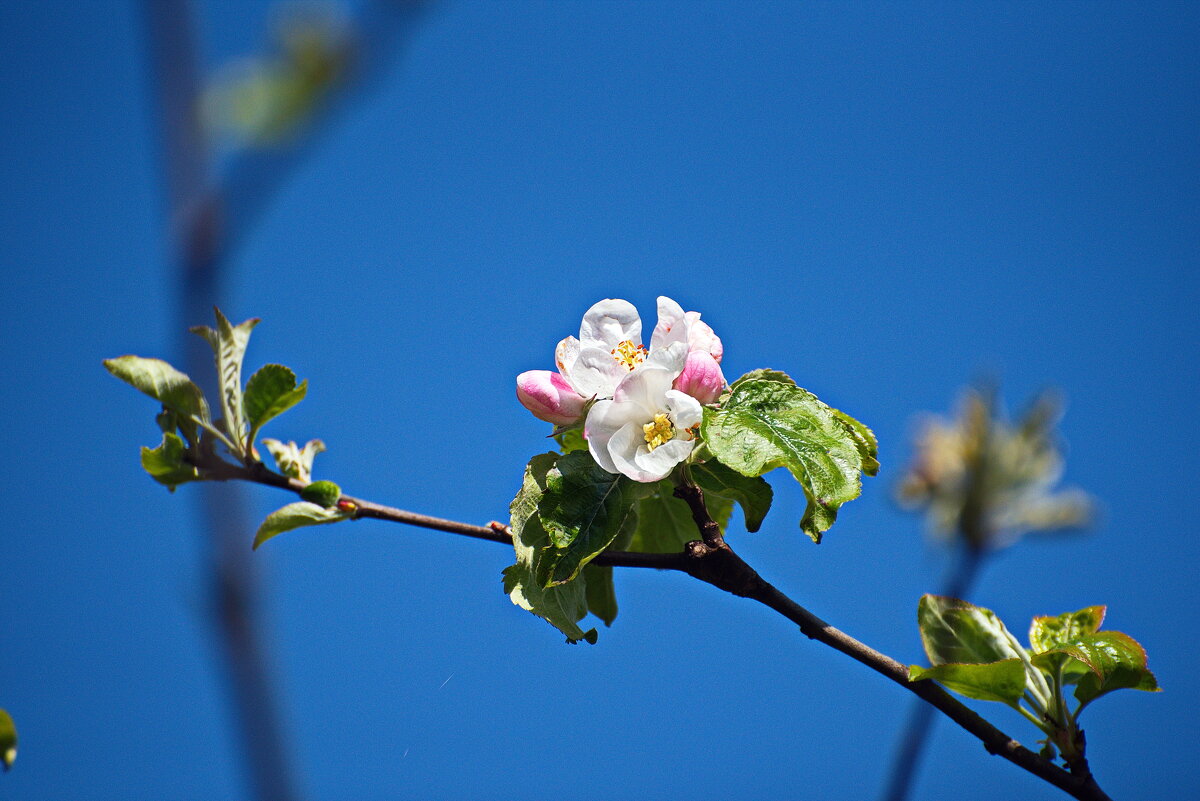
(659, 431)
(629, 354)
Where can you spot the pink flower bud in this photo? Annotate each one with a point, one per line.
(701, 377)
(549, 397)
(701, 337)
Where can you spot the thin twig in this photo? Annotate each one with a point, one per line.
(718, 565)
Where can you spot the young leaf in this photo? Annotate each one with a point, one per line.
(296, 515)
(1046, 633)
(8, 740)
(583, 509)
(1002, 681)
(229, 346)
(165, 463)
(562, 606)
(571, 439)
(768, 423)
(293, 461)
(868, 446)
(270, 392)
(1113, 661)
(158, 379)
(960, 632)
(754, 494)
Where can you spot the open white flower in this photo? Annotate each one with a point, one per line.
(646, 429)
(610, 347)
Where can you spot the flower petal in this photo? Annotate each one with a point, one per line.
(702, 337)
(672, 325)
(627, 448)
(605, 419)
(549, 397)
(609, 323)
(646, 388)
(658, 463)
(701, 377)
(596, 373)
(685, 410)
(565, 355)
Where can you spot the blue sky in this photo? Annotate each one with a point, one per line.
(886, 201)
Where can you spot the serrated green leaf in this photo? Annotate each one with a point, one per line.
(1002, 681)
(562, 606)
(229, 347)
(296, 515)
(868, 446)
(764, 374)
(8, 740)
(166, 465)
(954, 631)
(1114, 661)
(293, 461)
(1046, 633)
(270, 392)
(768, 423)
(158, 379)
(753, 493)
(583, 509)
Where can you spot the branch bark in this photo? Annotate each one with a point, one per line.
(712, 561)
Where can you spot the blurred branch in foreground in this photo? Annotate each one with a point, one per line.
(322, 59)
(982, 483)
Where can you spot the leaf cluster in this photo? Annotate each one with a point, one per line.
(569, 510)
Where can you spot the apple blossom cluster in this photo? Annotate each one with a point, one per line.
(640, 407)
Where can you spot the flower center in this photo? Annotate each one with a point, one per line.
(629, 354)
(659, 431)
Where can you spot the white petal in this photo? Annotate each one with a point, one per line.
(647, 387)
(657, 463)
(671, 357)
(596, 373)
(672, 325)
(626, 448)
(609, 323)
(685, 410)
(601, 424)
(565, 356)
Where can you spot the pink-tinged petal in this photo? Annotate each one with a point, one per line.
(701, 377)
(549, 397)
(672, 325)
(610, 322)
(702, 337)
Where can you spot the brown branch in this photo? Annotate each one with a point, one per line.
(715, 563)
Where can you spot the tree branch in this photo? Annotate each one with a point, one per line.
(715, 563)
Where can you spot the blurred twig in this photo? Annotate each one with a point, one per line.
(209, 217)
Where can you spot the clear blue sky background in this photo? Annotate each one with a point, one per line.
(884, 200)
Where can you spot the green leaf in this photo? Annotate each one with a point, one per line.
(868, 446)
(1046, 633)
(664, 522)
(571, 439)
(754, 494)
(296, 515)
(583, 508)
(158, 379)
(764, 374)
(165, 463)
(270, 392)
(960, 632)
(293, 461)
(8, 740)
(1002, 681)
(562, 606)
(600, 593)
(768, 423)
(229, 346)
(322, 493)
(1114, 661)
